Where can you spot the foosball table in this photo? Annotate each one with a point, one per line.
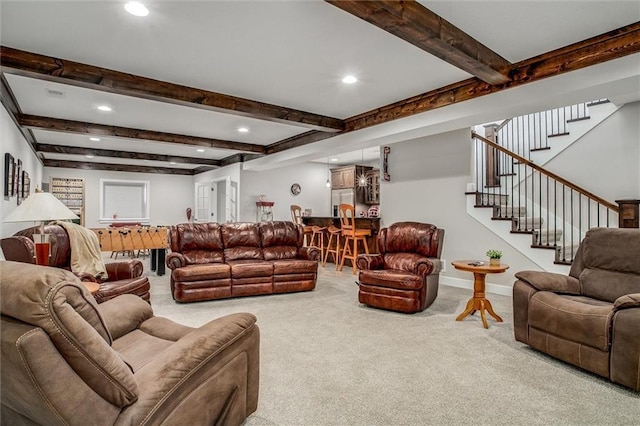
(152, 238)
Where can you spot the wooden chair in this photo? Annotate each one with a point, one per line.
(317, 238)
(296, 217)
(351, 235)
(333, 246)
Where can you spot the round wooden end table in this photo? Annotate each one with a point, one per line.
(479, 302)
(91, 286)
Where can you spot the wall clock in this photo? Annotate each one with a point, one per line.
(295, 189)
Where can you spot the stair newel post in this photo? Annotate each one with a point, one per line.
(492, 166)
(628, 213)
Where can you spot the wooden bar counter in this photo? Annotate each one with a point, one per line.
(372, 223)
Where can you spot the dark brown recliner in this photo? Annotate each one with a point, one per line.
(68, 361)
(404, 276)
(124, 277)
(590, 318)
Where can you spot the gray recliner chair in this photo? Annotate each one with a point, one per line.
(68, 360)
(590, 318)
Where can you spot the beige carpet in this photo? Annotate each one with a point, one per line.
(327, 360)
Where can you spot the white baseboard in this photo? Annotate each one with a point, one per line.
(490, 288)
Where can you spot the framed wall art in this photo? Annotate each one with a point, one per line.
(9, 165)
(18, 182)
(26, 185)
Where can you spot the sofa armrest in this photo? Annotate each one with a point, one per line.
(627, 301)
(124, 270)
(309, 253)
(217, 363)
(370, 261)
(87, 277)
(175, 260)
(428, 266)
(549, 281)
(124, 313)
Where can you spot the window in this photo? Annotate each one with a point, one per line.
(124, 200)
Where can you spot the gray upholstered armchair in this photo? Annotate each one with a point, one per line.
(68, 360)
(590, 318)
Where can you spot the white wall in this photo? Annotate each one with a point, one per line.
(169, 197)
(428, 183)
(275, 185)
(12, 142)
(609, 156)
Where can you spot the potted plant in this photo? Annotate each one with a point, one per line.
(494, 257)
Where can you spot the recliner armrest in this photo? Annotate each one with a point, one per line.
(370, 261)
(175, 260)
(627, 301)
(309, 253)
(428, 266)
(124, 313)
(549, 281)
(124, 270)
(210, 357)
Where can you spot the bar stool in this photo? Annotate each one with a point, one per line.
(351, 235)
(317, 238)
(334, 249)
(296, 217)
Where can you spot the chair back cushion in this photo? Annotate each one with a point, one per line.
(56, 301)
(198, 242)
(410, 237)
(60, 245)
(241, 241)
(610, 262)
(280, 240)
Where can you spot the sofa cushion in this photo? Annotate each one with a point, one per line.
(402, 261)
(56, 301)
(198, 242)
(391, 278)
(419, 238)
(241, 241)
(608, 285)
(294, 266)
(575, 318)
(250, 268)
(280, 240)
(210, 271)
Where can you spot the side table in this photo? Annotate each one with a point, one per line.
(479, 302)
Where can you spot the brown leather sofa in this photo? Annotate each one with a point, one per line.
(590, 318)
(404, 276)
(67, 360)
(214, 261)
(124, 277)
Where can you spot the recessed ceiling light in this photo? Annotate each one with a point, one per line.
(136, 8)
(89, 156)
(95, 139)
(200, 150)
(173, 163)
(243, 129)
(334, 159)
(104, 108)
(349, 79)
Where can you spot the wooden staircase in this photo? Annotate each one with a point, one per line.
(554, 212)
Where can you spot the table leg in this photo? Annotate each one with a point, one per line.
(468, 310)
(491, 312)
(154, 259)
(161, 258)
(479, 302)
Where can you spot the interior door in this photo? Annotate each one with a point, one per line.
(206, 202)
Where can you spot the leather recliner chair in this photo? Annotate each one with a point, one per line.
(124, 277)
(590, 318)
(67, 360)
(404, 276)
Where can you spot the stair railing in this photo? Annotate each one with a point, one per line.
(529, 133)
(554, 210)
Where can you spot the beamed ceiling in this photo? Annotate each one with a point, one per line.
(184, 79)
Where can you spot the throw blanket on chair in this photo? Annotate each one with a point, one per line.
(85, 250)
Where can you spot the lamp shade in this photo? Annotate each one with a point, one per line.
(40, 206)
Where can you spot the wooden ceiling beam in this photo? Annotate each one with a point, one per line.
(298, 140)
(85, 165)
(605, 47)
(129, 155)
(416, 24)
(79, 127)
(74, 73)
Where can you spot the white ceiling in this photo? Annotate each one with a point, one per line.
(288, 53)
